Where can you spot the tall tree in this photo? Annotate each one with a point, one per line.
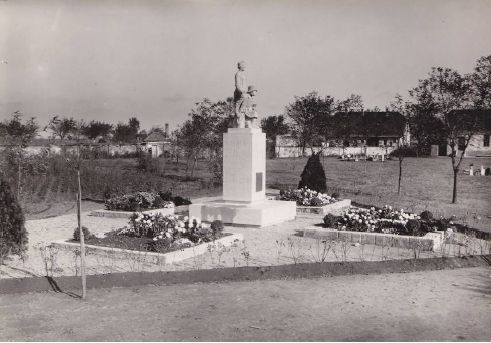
(480, 83)
(274, 126)
(61, 127)
(203, 130)
(126, 133)
(19, 134)
(353, 103)
(306, 114)
(96, 129)
(441, 94)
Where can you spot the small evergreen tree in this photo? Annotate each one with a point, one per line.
(313, 176)
(13, 234)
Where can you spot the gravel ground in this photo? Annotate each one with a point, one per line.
(445, 305)
(271, 245)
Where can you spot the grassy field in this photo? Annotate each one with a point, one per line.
(426, 184)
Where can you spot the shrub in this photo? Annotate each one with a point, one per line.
(413, 226)
(166, 196)
(217, 227)
(313, 175)
(76, 233)
(404, 151)
(137, 202)
(330, 220)
(13, 233)
(335, 195)
(426, 215)
(316, 201)
(180, 201)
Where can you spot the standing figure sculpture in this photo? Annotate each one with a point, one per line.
(244, 108)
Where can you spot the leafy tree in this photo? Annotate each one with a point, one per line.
(353, 103)
(126, 133)
(480, 83)
(19, 134)
(274, 126)
(313, 175)
(438, 96)
(203, 131)
(13, 233)
(97, 128)
(61, 127)
(305, 115)
(401, 153)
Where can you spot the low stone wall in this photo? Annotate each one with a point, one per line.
(127, 214)
(335, 208)
(430, 242)
(150, 257)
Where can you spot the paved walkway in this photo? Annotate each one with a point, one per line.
(451, 305)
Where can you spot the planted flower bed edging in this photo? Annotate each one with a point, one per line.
(333, 208)
(151, 257)
(127, 214)
(430, 242)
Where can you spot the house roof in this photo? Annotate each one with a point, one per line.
(155, 136)
(372, 124)
(481, 118)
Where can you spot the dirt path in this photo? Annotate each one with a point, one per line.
(438, 305)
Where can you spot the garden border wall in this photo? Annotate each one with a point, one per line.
(429, 242)
(334, 208)
(127, 214)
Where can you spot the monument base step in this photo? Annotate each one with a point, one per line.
(257, 214)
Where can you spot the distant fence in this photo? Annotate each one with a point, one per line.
(295, 151)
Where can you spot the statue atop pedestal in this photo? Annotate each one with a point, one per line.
(244, 107)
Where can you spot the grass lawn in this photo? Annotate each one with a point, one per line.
(426, 184)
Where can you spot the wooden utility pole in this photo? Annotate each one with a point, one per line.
(82, 243)
(19, 174)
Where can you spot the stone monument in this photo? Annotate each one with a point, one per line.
(244, 172)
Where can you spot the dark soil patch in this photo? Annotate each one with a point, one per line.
(144, 244)
(290, 271)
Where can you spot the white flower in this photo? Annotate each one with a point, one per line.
(155, 238)
(100, 235)
(167, 235)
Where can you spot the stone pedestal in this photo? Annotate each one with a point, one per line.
(244, 185)
(244, 165)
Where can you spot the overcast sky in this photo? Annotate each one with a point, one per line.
(109, 60)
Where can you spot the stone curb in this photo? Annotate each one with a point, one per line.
(150, 257)
(127, 214)
(291, 271)
(380, 239)
(334, 208)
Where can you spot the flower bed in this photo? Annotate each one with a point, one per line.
(158, 233)
(154, 238)
(387, 220)
(312, 202)
(137, 202)
(123, 207)
(306, 197)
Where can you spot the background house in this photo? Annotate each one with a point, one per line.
(355, 133)
(479, 143)
(157, 144)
